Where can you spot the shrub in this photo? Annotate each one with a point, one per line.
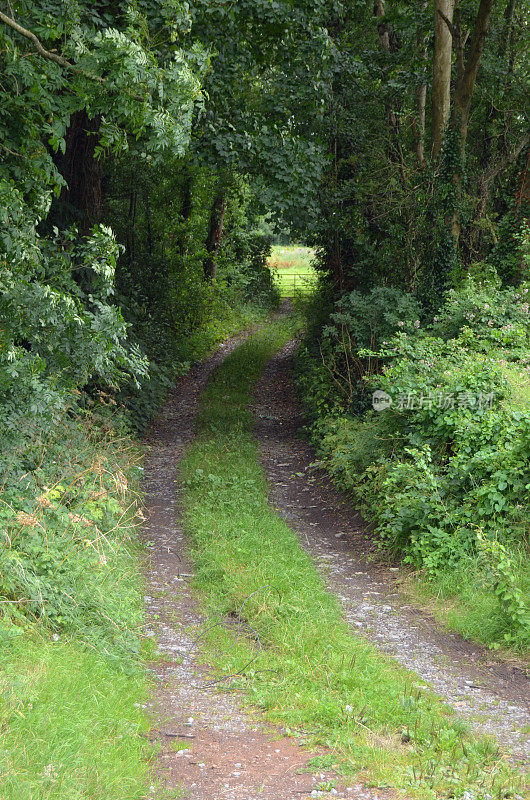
(488, 317)
(444, 472)
(342, 352)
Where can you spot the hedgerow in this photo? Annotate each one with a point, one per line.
(444, 471)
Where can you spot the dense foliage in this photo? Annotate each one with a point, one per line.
(121, 262)
(423, 249)
(106, 228)
(442, 466)
(406, 198)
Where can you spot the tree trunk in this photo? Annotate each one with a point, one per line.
(185, 212)
(441, 84)
(466, 82)
(130, 234)
(523, 194)
(80, 200)
(215, 231)
(148, 221)
(382, 27)
(466, 78)
(390, 44)
(420, 100)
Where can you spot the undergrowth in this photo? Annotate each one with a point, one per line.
(72, 682)
(441, 468)
(281, 634)
(71, 685)
(170, 356)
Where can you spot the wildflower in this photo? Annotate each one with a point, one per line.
(29, 520)
(50, 772)
(400, 323)
(417, 324)
(44, 501)
(78, 518)
(97, 466)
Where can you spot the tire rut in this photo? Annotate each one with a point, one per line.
(491, 695)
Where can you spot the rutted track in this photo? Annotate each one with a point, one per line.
(491, 695)
(230, 754)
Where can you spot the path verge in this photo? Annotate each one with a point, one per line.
(490, 693)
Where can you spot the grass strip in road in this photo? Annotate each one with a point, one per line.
(312, 673)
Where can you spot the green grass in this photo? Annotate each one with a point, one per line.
(463, 601)
(312, 674)
(73, 725)
(170, 359)
(71, 681)
(293, 271)
(72, 685)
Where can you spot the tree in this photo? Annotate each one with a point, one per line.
(441, 84)
(79, 81)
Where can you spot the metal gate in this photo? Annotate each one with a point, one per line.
(293, 283)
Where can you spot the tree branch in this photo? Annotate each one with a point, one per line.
(496, 169)
(489, 175)
(452, 29)
(41, 50)
(466, 85)
(57, 59)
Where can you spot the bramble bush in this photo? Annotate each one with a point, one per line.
(493, 317)
(444, 472)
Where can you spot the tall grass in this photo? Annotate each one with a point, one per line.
(73, 724)
(71, 685)
(291, 257)
(286, 641)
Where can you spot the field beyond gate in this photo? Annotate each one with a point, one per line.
(292, 269)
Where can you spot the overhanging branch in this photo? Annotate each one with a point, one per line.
(57, 59)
